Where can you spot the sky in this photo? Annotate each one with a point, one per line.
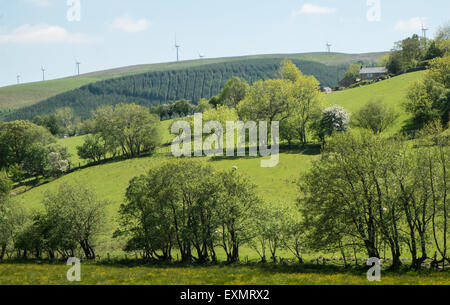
(104, 34)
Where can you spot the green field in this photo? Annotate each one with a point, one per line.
(392, 92)
(276, 185)
(19, 96)
(92, 274)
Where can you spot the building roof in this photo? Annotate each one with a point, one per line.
(373, 70)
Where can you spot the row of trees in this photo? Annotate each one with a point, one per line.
(72, 220)
(28, 150)
(295, 100)
(367, 192)
(186, 206)
(415, 51)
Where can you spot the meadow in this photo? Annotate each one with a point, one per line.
(43, 273)
(276, 185)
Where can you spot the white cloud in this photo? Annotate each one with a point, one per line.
(129, 25)
(43, 34)
(41, 3)
(412, 24)
(309, 9)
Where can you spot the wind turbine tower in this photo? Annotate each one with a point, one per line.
(329, 45)
(18, 79)
(177, 46)
(78, 66)
(424, 32)
(43, 73)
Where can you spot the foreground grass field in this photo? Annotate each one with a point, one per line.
(92, 274)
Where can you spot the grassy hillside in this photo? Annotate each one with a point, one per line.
(18, 96)
(392, 92)
(111, 180)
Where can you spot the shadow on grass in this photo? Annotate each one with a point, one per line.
(268, 268)
(307, 150)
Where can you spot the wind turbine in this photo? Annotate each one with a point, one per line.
(177, 46)
(78, 66)
(43, 73)
(329, 45)
(18, 79)
(424, 31)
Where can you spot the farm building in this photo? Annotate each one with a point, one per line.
(372, 73)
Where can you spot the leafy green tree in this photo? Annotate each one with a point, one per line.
(375, 116)
(50, 122)
(428, 99)
(93, 149)
(236, 213)
(203, 105)
(5, 213)
(36, 162)
(353, 72)
(266, 100)
(305, 105)
(74, 217)
(66, 120)
(17, 137)
(289, 71)
(346, 195)
(395, 63)
(234, 91)
(128, 127)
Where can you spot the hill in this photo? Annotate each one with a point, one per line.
(328, 68)
(110, 180)
(392, 92)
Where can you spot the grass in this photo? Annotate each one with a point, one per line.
(97, 274)
(18, 96)
(392, 92)
(110, 180)
(276, 185)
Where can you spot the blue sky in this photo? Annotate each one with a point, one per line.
(113, 33)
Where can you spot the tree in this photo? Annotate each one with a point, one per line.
(17, 137)
(66, 120)
(353, 72)
(50, 122)
(375, 116)
(5, 213)
(236, 213)
(93, 149)
(334, 119)
(128, 127)
(74, 216)
(36, 162)
(433, 51)
(185, 205)
(395, 63)
(347, 195)
(289, 71)
(203, 105)
(428, 99)
(304, 106)
(234, 91)
(266, 100)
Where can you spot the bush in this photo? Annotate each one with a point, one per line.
(375, 116)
